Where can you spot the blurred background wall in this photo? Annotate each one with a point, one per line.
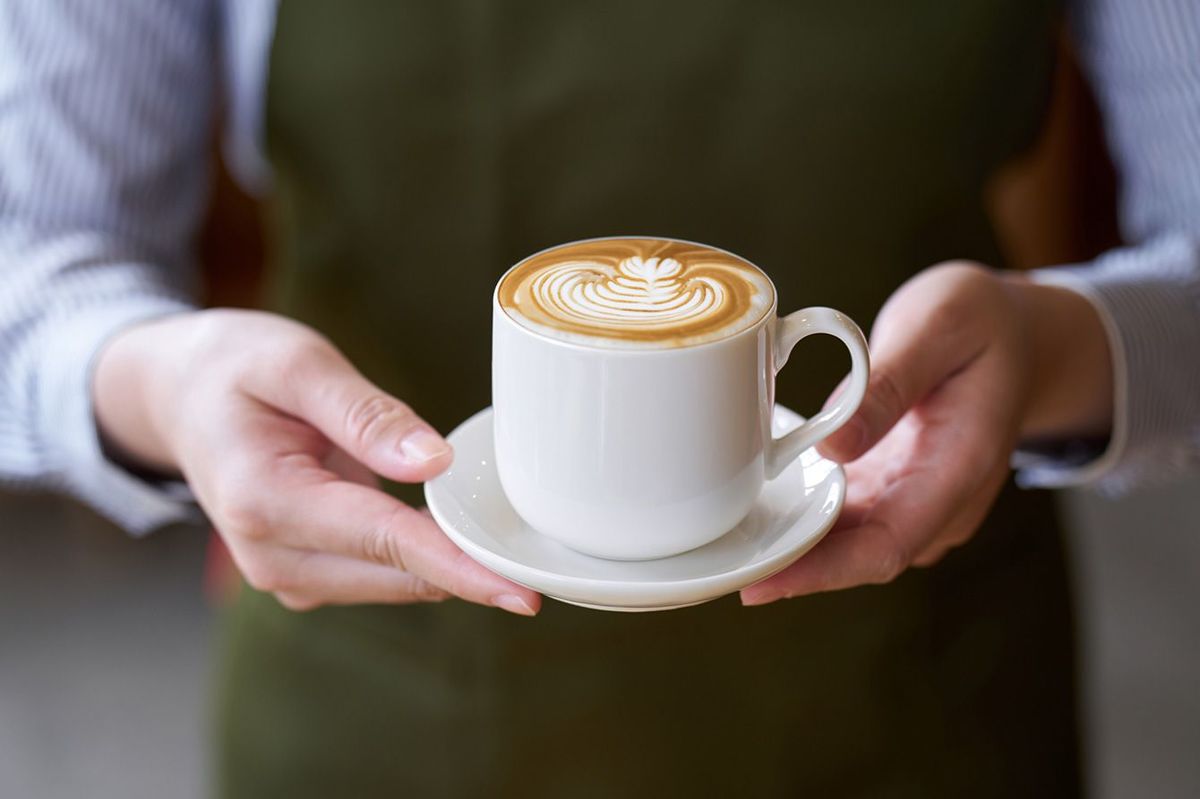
(105, 640)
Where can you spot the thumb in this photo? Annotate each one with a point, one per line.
(906, 365)
(324, 389)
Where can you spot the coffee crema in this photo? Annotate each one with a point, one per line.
(636, 292)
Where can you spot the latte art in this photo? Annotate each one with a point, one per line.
(643, 292)
(636, 292)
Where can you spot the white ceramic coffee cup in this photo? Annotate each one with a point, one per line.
(635, 454)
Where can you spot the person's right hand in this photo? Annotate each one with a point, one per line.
(280, 439)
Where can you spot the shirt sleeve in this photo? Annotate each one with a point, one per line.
(1143, 60)
(105, 124)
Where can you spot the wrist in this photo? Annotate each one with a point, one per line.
(128, 395)
(1070, 366)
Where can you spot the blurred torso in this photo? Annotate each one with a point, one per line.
(420, 149)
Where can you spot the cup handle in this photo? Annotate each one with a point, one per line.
(789, 330)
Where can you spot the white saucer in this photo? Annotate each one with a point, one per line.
(793, 513)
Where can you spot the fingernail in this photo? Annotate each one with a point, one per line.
(513, 604)
(422, 444)
(752, 598)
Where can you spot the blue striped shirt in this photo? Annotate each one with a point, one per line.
(106, 111)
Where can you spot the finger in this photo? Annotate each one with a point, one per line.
(989, 440)
(318, 385)
(909, 358)
(898, 382)
(871, 553)
(962, 527)
(875, 551)
(321, 579)
(878, 550)
(277, 494)
(918, 503)
(856, 556)
(364, 524)
(341, 464)
(306, 580)
(868, 476)
(859, 501)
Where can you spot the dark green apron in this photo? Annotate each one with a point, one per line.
(423, 146)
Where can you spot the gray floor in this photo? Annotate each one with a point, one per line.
(103, 657)
(104, 644)
(1137, 567)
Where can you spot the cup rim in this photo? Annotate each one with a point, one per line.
(768, 314)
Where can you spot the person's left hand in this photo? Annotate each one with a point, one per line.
(965, 362)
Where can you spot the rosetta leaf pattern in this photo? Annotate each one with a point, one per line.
(654, 278)
(638, 293)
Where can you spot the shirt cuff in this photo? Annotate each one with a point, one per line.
(68, 426)
(1148, 300)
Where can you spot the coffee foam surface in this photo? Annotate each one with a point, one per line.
(637, 293)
